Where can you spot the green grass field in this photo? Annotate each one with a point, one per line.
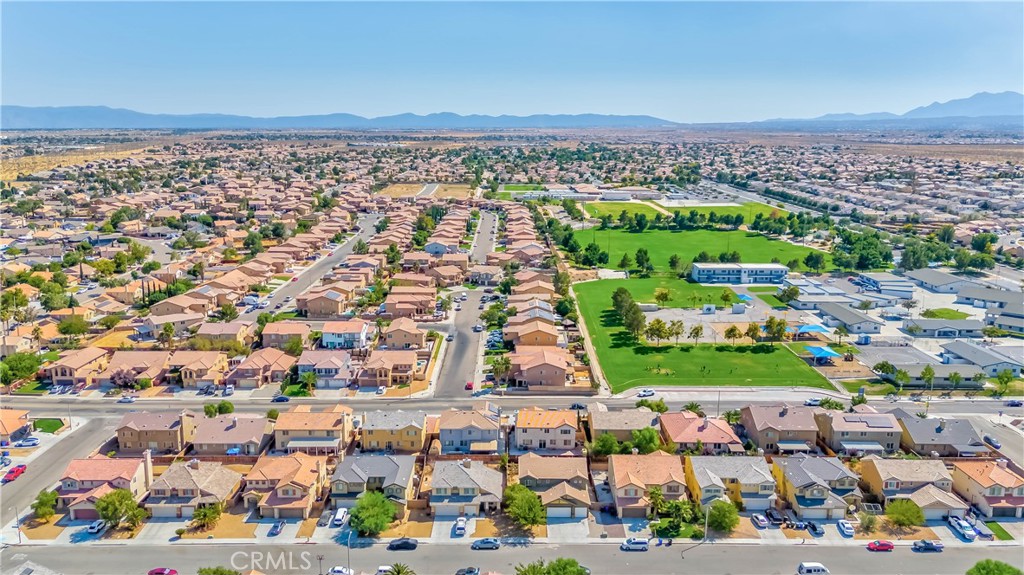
(762, 289)
(800, 347)
(34, 387)
(627, 364)
(523, 188)
(999, 531)
(771, 300)
(944, 313)
(661, 244)
(613, 209)
(748, 210)
(683, 293)
(48, 425)
(507, 196)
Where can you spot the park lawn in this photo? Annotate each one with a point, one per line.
(748, 210)
(506, 196)
(944, 313)
(771, 300)
(662, 244)
(871, 386)
(683, 294)
(762, 289)
(628, 364)
(999, 531)
(523, 188)
(613, 209)
(48, 425)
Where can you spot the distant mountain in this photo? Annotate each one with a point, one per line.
(96, 117)
(856, 117)
(980, 105)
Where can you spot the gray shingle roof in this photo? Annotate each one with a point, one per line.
(394, 469)
(845, 314)
(393, 419)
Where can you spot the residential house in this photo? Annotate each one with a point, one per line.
(135, 366)
(562, 483)
(313, 432)
(285, 485)
(333, 368)
(197, 369)
(397, 431)
(540, 367)
(446, 275)
(351, 334)
(158, 432)
(470, 431)
(947, 437)
(402, 333)
(243, 332)
(780, 428)
(465, 488)
(533, 333)
(86, 480)
(742, 479)
(232, 434)
(858, 433)
(549, 429)
(265, 366)
(482, 274)
(991, 486)
(817, 487)
(14, 423)
(393, 475)
(632, 476)
(326, 303)
(279, 333)
(390, 367)
(699, 434)
(621, 423)
(186, 486)
(77, 367)
(926, 482)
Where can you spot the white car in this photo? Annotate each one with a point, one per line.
(460, 526)
(384, 570)
(635, 544)
(96, 526)
(845, 527)
(759, 520)
(126, 399)
(339, 570)
(962, 528)
(646, 392)
(381, 390)
(813, 402)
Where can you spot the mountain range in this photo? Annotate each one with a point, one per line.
(982, 109)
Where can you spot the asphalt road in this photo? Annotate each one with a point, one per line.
(484, 242)
(314, 273)
(461, 355)
(428, 190)
(45, 470)
(602, 559)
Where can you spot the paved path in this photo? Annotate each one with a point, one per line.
(428, 190)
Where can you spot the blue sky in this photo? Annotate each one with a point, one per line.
(690, 62)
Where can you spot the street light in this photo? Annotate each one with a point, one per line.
(320, 560)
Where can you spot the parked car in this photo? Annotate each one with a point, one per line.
(281, 399)
(774, 516)
(759, 520)
(14, 472)
(468, 571)
(962, 528)
(813, 401)
(339, 570)
(815, 528)
(276, 529)
(578, 407)
(5, 461)
(487, 543)
(381, 390)
(450, 337)
(295, 278)
(28, 442)
(812, 568)
(229, 390)
(469, 386)
(162, 571)
(924, 545)
(478, 328)
(96, 527)
(635, 544)
(646, 392)
(845, 527)
(460, 526)
(340, 517)
(993, 442)
(881, 545)
(403, 544)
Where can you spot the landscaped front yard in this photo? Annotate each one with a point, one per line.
(32, 528)
(33, 387)
(232, 525)
(502, 526)
(48, 425)
(416, 523)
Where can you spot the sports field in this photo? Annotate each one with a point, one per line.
(628, 364)
(523, 187)
(682, 293)
(748, 210)
(661, 244)
(452, 191)
(613, 209)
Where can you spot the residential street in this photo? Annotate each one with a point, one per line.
(459, 362)
(484, 244)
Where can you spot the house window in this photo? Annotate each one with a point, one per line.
(671, 489)
(631, 493)
(566, 431)
(892, 485)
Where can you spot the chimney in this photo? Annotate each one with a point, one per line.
(147, 467)
(467, 463)
(234, 421)
(1001, 463)
(942, 423)
(785, 410)
(704, 424)
(193, 463)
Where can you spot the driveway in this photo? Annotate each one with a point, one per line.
(567, 529)
(160, 530)
(444, 529)
(287, 535)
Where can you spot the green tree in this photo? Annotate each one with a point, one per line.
(21, 365)
(110, 321)
(73, 325)
(840, 333)
(904, 513)
(372, 514)
(218, 570)
(645, 440)
(501, 366)
(44, 505)
(723, 516)
(955, 379)
(206, 517)
(626, 262)
(732, 333)
(732, 417)
(400, 569)
(815, 261)
(294, 346)
(696, 332)
(523, 506)
(167, 334)
(993, 567)
(308, 381)
(753, 332)
(118, 506)
(657, 405)
(210, 410)
(657, 500)
(662, 295)
(253, 242)
(1003, 379)
(694, 407)
(225, 407)
(605, 445)
(657, 330)
(901, 377)
(928, 375)
(273, 414)
(228, 312)
(726, 297)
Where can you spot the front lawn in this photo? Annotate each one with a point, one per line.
(999, 531)
(34, 387)
(48, 425)
(944, 313)
(662, 244)
(628, 364)
(50, 356)
(295, 390)
(682, 293)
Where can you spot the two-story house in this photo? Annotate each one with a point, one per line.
(545, 429)
(285, 485)
(265, 366)
(780, 428)
(84, 481)
(232, 434)
(198, 369)
(313, 432)
(402, 333)
(926, 482)
(398, 431)
(392, 475)
(465, 488)
(77, 367)
(279, 333)
(333, 368)
(739, 479)
(991, 486)
(387, 367)
(632, 476)
(187, 486)
(350, 334)
(469, 431)
(562, 483)
(699, 434)
(160, 432)
(858, 433)
(816, 487)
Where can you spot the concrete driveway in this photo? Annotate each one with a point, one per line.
(288, 534)
(444, 529)
(161, 529)
(567, 529)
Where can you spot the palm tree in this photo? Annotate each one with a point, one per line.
(37, 335)
(167, 335)
(840, 333)
(732, 417)
(401, 569)
(694, 407)
(732, 333)
(501, 366)
(308, 381)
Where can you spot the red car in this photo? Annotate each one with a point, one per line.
(14, 472)
(469, 385)
(162, 571)
(881, 545)
(295, 279)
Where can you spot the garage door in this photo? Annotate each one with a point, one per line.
(447, 510)
(581, 512)
(85, 514)
(164, 511)
(934, 514)
(559, 511)
(814, 514)
(1004, 512)
(186, 512)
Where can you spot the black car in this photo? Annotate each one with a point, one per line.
(468, 571)
(815, 529)
(774, 517)
(927, 545)
(578, 407)
(1015, 403)
(403, 544)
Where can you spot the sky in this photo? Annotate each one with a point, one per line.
(686, 62)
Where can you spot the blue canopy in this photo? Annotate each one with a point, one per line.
(744, 297)
(822, 352)
(812, 329)
(789, 329)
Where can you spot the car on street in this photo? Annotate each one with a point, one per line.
(845, 527)
(5, 461)
(881, 545)
(635, 544)
(486, 543)
(759, 520)
(1015, 403)
(451, 337)
(460, 526)
(28, 442)
(469, 386)
(281, 399)
(924, 545)
(339, 570)
(993, 442)
(96, 526)
(381, 390)
(774, 516)
(813, 401)
(126, 399)
(646, 392)
(384, 570)
(458, 307)
(162, 571)
(478, 328)
(578, 407)
(276, 529)
(295, 278)
(962, 528)
(468, 571)
(403, 544)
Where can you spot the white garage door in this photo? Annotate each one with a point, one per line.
(559, 511)
(934, 514)
(814, 514)
(581, 512)
(186, 512)
(164, 511)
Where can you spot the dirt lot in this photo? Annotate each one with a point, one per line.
(32, 528)
(452, 191)
(745, 530)
(123, 532)
(232, 525)
(502, 526)
(119, 338)
(401, 190)
(415, 523)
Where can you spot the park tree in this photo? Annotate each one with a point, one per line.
(662, 295)
(723, 516)
(634, 320)
(657, 330)
(753, 332)
(674, 262)
(815, 261)
(626, 262)
(523, 506)
(904, 513)
(372, 514)
(696, 332)
(732, 333)
(676, 329)
(726, 297)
